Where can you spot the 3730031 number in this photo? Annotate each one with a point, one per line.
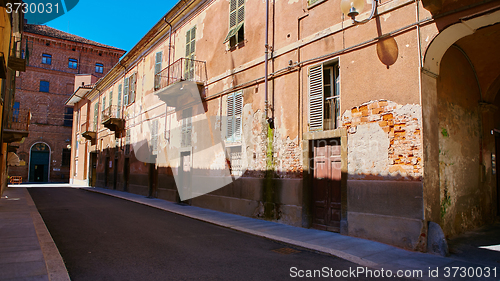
(471, 272)
(32, 8)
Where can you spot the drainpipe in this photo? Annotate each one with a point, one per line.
(169, 47)
(266, 60)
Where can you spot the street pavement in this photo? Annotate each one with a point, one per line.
(105, 238)
(179, 249)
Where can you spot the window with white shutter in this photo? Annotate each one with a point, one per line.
(119, 110)
(234, 110)
(324, 97)
(190, 49)
(125, 90)
(96, 112)
(154, 136)
(236, 22)
(186, 127)
(158, 58)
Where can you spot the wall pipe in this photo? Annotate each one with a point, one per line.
(266, 61)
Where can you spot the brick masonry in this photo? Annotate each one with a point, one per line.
(385, 140)
(48, 109)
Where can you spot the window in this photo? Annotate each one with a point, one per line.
(68, 117)
(129, 89)
(44, 86)
(104, 107)
(110, 99)
(236, 22)
(186, 127)
(190, 48)
(234, 109)
(66, 157)
(154, 136)
(72, 63)
(119, 101)
(46, 59)
(324, 97)
(158, 58)
(96, 112)
(15, 112)
(99, 68)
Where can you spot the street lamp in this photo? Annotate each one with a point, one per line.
(352, 8)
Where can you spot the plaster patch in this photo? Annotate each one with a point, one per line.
(368, 150)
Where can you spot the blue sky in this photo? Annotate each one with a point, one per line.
(119, 24)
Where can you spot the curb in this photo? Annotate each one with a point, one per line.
(56, 269)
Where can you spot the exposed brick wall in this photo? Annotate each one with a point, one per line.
(401, 126)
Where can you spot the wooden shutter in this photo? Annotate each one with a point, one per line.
(119, 101)
(96, 112)
(132, 88)
(236, 18)
(316, 98)
(110, 98)
(126, 91)
(230, 118)
(158, 62)
(238, 108)
(234, 110)
(154, 136)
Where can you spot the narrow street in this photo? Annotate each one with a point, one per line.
(105, 238)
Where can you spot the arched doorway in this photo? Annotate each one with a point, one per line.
(39, 162)
(460, 88)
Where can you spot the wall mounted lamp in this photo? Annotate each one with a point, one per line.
(352, 8)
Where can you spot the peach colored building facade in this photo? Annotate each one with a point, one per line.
(374, 130)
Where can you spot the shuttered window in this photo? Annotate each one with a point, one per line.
(186, 127)
(158, 58)
(234, 109)
(119, 110)
(96, 112)
(154, 136)
(103, 107)
(324, 97)
(316, 98)
(110, 99)
(132, 88)
(236, 22)
(190, 49)
(311, 2)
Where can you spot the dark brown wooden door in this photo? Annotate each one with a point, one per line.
(326, 185)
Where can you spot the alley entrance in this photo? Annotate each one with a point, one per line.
(39, 163)
(327, 184)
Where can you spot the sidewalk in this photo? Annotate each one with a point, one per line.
(363, 252)
(27, 251)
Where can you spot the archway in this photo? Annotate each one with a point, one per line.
(39, 162)
(460, 104)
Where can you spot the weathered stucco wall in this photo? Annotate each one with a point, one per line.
(466, 199)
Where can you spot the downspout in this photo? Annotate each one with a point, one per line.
(169, 47)
(266, 61)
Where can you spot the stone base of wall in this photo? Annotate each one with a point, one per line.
(387, 211)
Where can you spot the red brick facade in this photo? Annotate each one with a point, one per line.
(48, 109)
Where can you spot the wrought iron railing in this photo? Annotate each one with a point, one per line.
(20, 120)
(84, 126)
(183, 69)
(112, 111)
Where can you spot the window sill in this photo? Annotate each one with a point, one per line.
(315, 4)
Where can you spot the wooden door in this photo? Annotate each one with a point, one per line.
(326, 185)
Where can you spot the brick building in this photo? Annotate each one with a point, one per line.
(378, 129)
(54, 58)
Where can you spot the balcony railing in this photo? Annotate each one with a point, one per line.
(112, 118)
(84, 127)
(112, 111)
(17, 126)
(183, 69)
(20, 120)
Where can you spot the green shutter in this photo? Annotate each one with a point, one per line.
(119, 101)
(236, 18)
(126, 91)
(132, 88)
(96, 112)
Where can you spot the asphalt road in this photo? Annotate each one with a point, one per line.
(106, 238)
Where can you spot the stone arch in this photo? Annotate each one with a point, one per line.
(433, 119)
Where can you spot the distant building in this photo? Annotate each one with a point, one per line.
(54, 58)
(374, 129)
(14, 126)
